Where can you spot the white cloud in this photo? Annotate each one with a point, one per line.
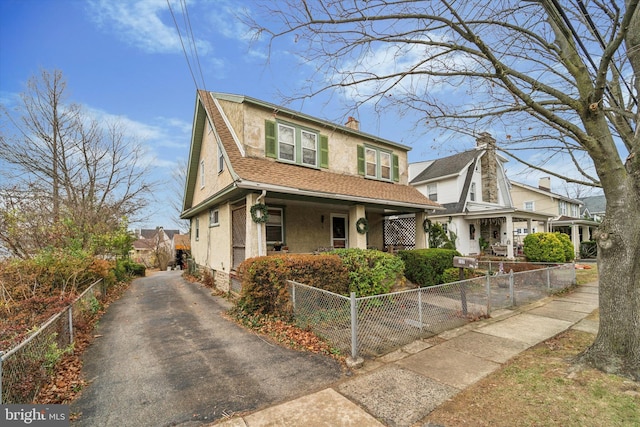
(145, 24)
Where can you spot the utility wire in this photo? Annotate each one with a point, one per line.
(182, 44)
(193, 41)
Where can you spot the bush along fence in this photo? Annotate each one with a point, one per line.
(27, 366)
(375, 325)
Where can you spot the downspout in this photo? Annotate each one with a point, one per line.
(259, 224)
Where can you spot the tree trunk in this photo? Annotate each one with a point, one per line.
(617, 346)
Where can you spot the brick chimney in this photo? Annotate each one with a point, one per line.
(545, 183)
(488, 167)
(352, 123)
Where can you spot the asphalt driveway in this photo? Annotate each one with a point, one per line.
(166, 356)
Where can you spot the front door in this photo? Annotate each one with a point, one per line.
(339, 231)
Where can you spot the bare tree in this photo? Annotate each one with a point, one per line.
(71, 176)
(555, 77)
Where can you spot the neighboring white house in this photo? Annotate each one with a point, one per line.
(473, 188)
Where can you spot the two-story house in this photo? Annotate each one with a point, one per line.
(473, 188)
(264, 178)
(565, 211)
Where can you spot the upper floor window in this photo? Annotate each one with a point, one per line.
(472, 192)
(377, 164)
(575, 213)
(201, 173)
(294, 144)
(197, 227)
(562, 207)
(432, 191)
(528, 206)
(220, 159)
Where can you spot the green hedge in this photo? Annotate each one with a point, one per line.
(426, 267)
(548, 247)
(264, 280)
(453, 274)
(371, 272)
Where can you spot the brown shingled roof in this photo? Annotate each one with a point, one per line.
(267, 171)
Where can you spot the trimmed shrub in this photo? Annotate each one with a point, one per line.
(544, 247)
(264, 280)
(567, 246)
(425, 267)
(371, 272)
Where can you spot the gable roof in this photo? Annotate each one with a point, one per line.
(258, 173)
(447, 166)
(546, 192)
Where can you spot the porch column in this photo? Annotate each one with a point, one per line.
(356, 240)
(575, 239)
(529, 226)
(256, 239)
(421, 236)
(509, 241)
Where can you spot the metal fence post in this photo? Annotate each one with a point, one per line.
(293, 296)
(1, 360)
(420, 308)
(488, 293)
(71, 324)
(548, 278)
(512, 292)
(354, 327)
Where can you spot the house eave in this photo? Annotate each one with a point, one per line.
(409, 207)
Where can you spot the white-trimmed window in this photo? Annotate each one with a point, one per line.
(432, 191)
(377, 164)
(472, 192)
(220, 159)
(309, 148)
(575, 212)
(197, 227)
(562, 207)
(286, 142)
(529, 206)
(214, 217)
(201, 173)
(294, 144)
(275, 226)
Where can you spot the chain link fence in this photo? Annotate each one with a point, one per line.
(27, 366)
(376, 325)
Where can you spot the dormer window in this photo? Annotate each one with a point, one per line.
(294, 144)
(377, 164)
(472, 192)
(432, 192)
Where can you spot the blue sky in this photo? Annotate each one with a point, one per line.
(124, 59)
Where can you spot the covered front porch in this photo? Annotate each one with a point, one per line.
(308, 224)
(497, 232)
(578, 229)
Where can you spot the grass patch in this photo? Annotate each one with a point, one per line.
(584, 276)
(542, 387)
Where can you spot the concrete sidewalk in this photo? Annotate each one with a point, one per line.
(403, 387)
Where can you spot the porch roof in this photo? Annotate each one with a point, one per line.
(516, 214)
(566, 221)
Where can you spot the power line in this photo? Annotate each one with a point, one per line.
(186, 56)
(193, 41)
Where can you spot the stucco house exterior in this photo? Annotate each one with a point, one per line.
(473, 188)
(566, 212)
(318, 185)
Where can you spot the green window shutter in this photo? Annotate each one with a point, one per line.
(270, 146)
(396, 168)
(361, 159)
(324, 151)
